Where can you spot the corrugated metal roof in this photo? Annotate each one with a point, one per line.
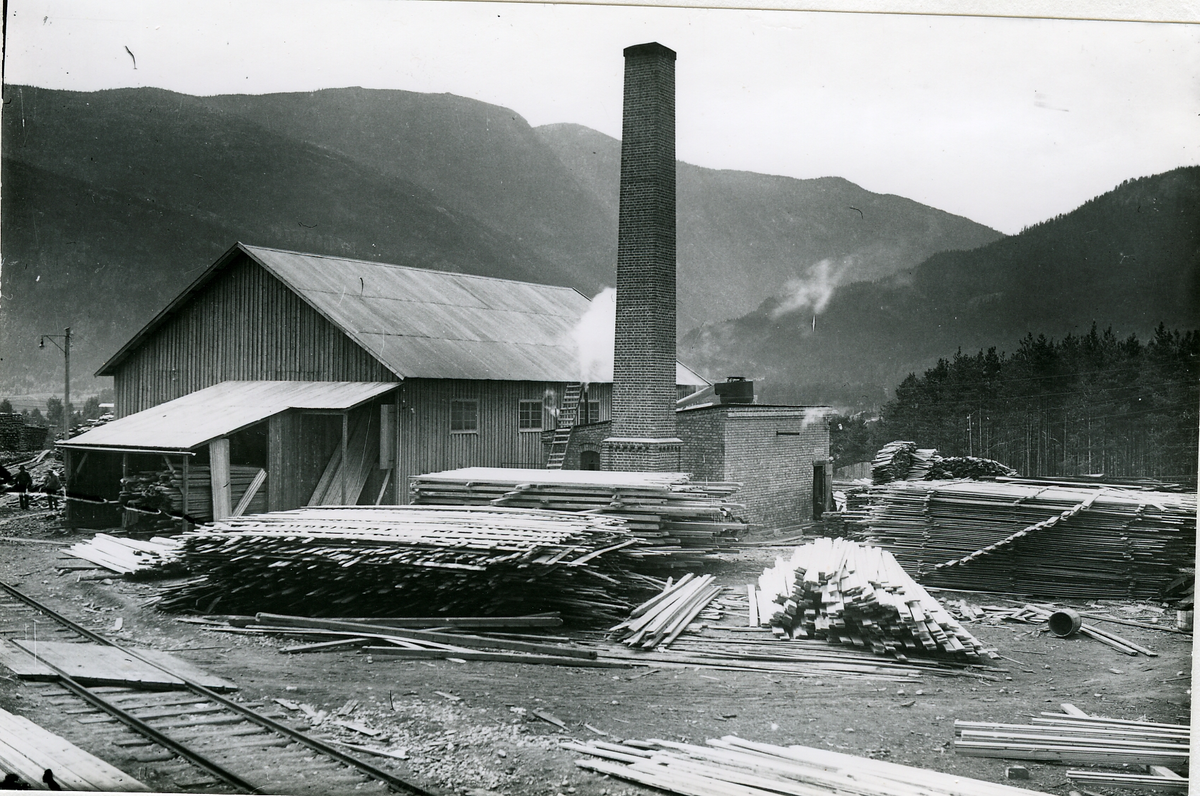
(422, 323)
(200, 417)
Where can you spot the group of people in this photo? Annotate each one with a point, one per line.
(22, 484)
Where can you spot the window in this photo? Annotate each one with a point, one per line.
(593, 412)
(464, 416)
(530, 416)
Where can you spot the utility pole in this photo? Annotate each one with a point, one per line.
(66, 349)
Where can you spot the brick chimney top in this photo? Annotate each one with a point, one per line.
(650, 48)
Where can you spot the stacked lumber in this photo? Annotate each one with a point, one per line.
(731, 766)
(28, 750)
(1067, 542)
(683, 520)
(904, 461)
(429, 638)
(892, 462)
(1075, 737)
(163, 490)
(415, 560)
(848, 593)
(664, 617)
(122, 555)
(942, 468)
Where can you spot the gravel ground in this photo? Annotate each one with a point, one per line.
(470, 727)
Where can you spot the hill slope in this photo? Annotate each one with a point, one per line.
(744, 236)
(1128, 259)
(113, 200)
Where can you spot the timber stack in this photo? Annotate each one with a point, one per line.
(164, 491)
(413, 560)
(847, 593)
(682, 521)
(1026, 537)
(904, 461)
(733, 766)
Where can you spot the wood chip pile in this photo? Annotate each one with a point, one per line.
(681, 519)
(1066, 542)
(416, 560)
(848, 593)
(732, 766)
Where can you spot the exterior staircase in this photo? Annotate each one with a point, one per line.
(568, 416)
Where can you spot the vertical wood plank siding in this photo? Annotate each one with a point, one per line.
(426, 444)
(245, 324)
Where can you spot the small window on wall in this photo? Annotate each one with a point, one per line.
(593, 412)
(464, 417)
(530, 416)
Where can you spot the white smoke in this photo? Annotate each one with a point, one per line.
(595, 337)
(813, 414)
(814, 289)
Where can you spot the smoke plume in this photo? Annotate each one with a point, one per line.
(595, 337)
(814, 289)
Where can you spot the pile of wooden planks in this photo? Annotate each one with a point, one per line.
(28, 751)
(732, 766)
(682, 520)
(1075, 737)
(416, 560)
(848, 593)
(428, 638)
(1064, 542)
(165, 490)
(123, 555)
(664, 617)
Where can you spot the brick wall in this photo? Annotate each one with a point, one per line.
(770, 450)
(644, 367)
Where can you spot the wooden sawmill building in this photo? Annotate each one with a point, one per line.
(280, 379)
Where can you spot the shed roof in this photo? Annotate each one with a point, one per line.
(217, 411)
(421, 323)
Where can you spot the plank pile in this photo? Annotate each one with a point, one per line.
(893, 461)
(415, 560)
(1077, 738)
(428, 638)
(164, 491)
(848, 593)
(904, 461)
(732, 766)
(663, 618)
(123, 555)
(683, 520)
(1065, 542)
(28, 750)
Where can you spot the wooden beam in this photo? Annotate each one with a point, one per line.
(218, 463)
(345, 446)
(251, 491)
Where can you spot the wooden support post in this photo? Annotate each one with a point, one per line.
(345, 444)
(184, 490)
(218, 463)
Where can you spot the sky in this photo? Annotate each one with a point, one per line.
(1005, 121)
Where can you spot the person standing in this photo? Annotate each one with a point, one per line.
(51, 486)
(23, 482)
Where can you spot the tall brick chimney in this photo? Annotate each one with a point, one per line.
(643, 400)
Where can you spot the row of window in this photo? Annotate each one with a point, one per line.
(531, 415)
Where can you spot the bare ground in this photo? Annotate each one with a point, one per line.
(480, 733)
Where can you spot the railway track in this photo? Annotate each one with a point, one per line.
(189, 738)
